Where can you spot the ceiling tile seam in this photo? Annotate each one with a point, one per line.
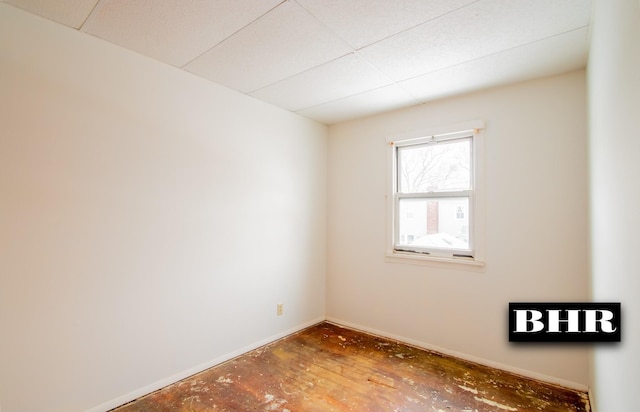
(322, 23)
(494, 53)
(352, 47)
(425, 22)
(355, 51)
(386, 75)
(231, 35)
(391, 79)
(93, 9)
(417, 101)
(299, 73)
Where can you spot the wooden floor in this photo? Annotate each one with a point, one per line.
(330, 368)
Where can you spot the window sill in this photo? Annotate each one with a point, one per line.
(438, 261)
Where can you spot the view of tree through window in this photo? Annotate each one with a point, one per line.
(445, 166)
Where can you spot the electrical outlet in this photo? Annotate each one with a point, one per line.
(279, 309)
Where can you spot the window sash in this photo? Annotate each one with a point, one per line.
(469, 194)
(434, 138)
(417, 143)
(433, 250)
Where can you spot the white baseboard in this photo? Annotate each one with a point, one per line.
(497, 365)
(121, 400)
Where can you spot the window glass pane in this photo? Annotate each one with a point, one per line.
(435, 167)
(434, 223)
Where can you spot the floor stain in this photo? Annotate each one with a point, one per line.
(331, 368)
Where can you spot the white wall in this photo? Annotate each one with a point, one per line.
(150, 221)
(536, 227)
(614, 104)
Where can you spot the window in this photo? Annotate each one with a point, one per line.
(434, 196)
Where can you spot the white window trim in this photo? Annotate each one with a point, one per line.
(476, 127)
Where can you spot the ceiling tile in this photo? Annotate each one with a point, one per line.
(335, 60)
(559, 54)
(483, 28)
(363, 22)
(337, 79)
(68, 12)
(281, 44)
(359, 105)
(173, 31)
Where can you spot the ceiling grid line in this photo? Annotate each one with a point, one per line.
(519, 46)
(234, 33)
(421, 24)
(93, 9)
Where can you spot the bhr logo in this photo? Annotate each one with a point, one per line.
(564, 322)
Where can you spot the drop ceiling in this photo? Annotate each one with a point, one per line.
(335, 60)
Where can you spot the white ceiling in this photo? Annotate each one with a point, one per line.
(334, 60)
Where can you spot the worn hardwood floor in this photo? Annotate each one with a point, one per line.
(330, 368)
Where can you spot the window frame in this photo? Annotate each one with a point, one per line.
(426, 255)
